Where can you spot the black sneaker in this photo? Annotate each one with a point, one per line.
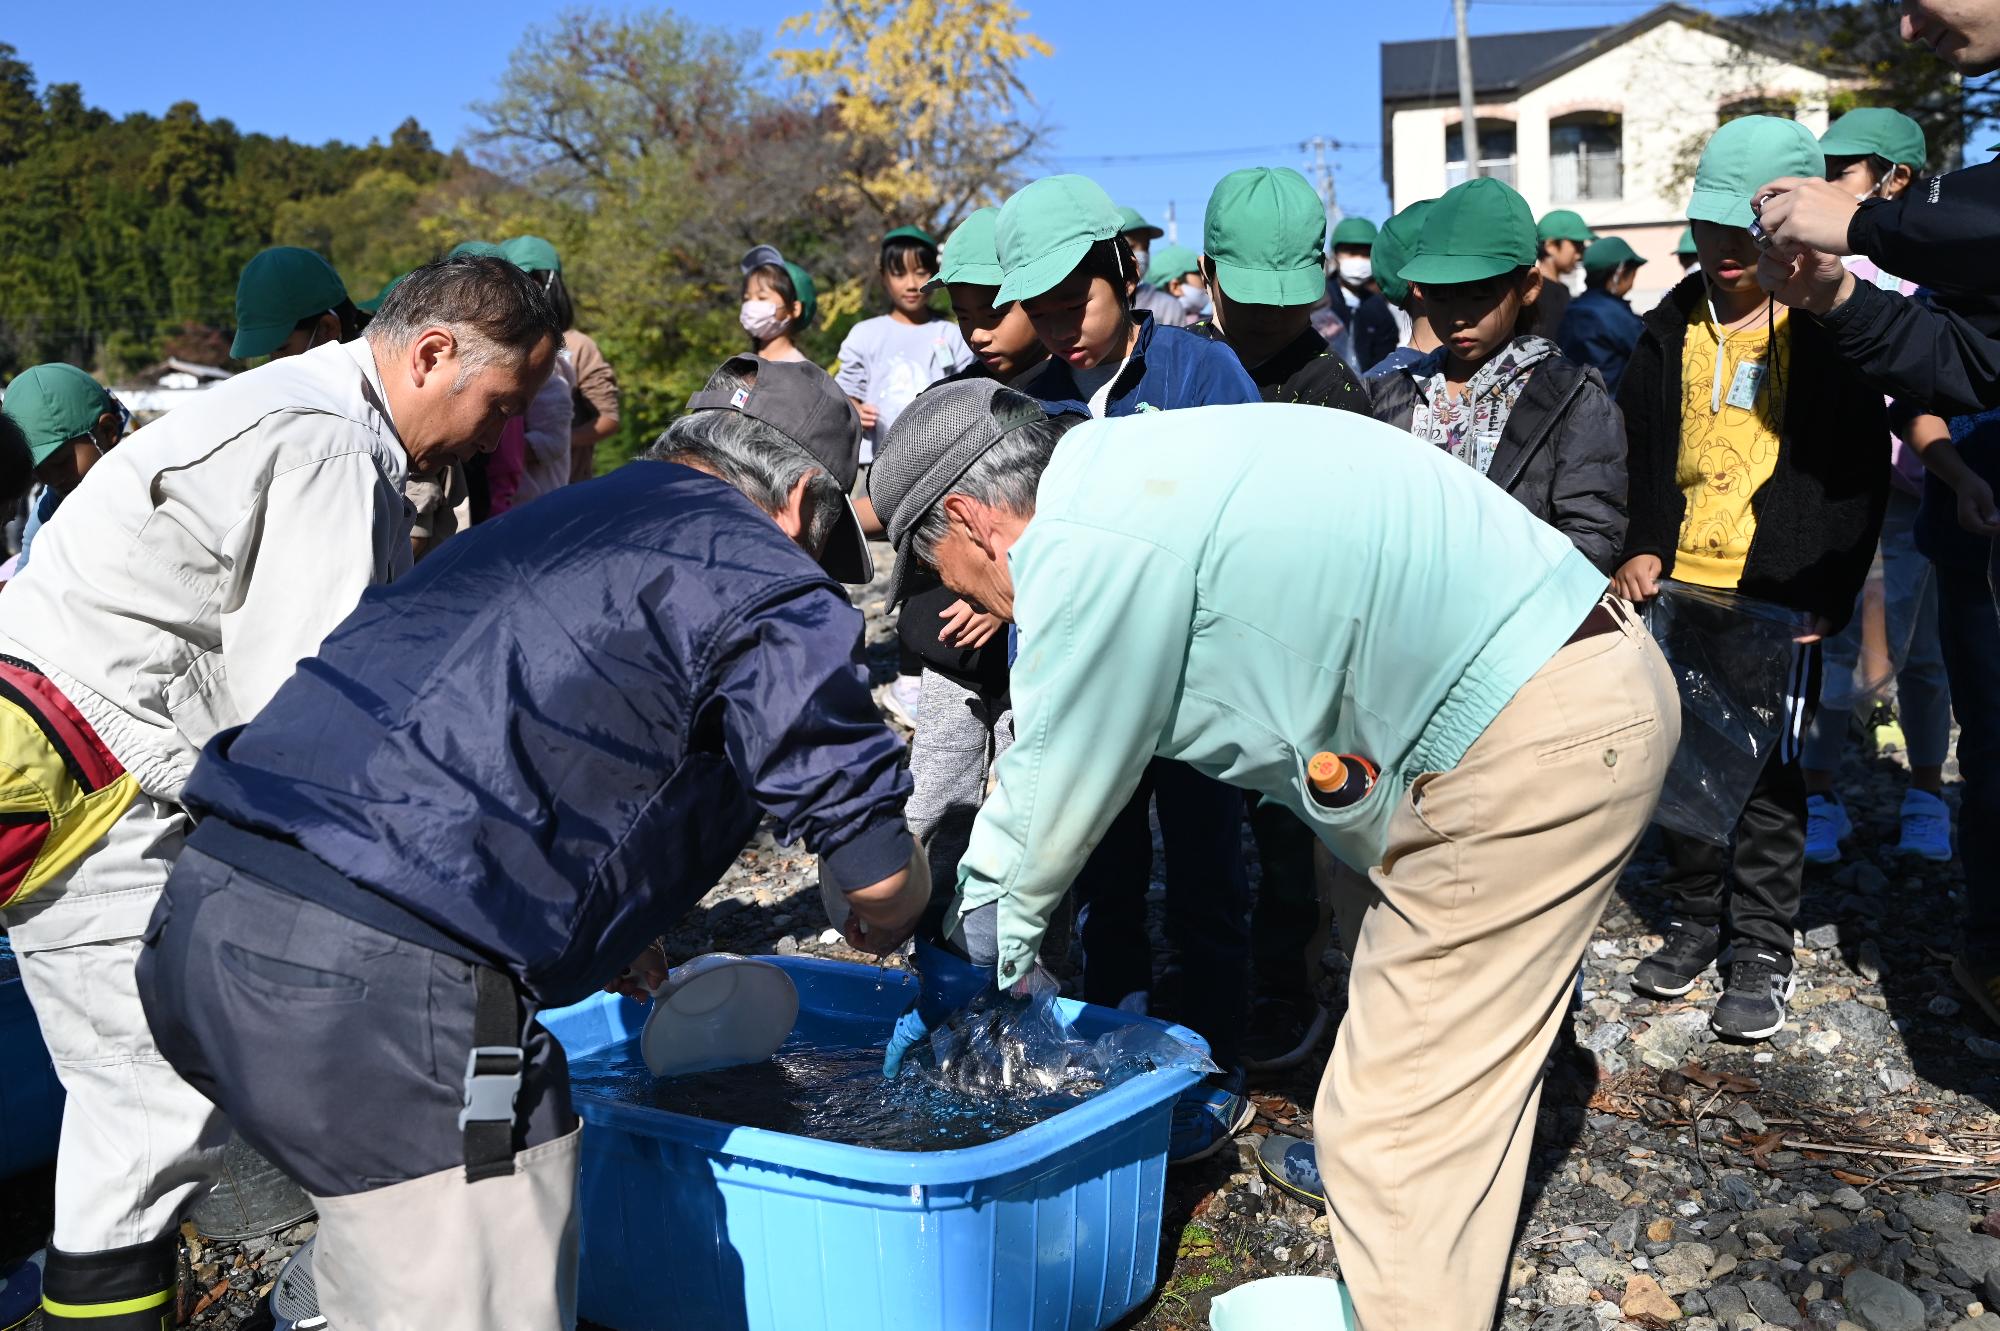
(1689, 950)
(1284, 1029)
(1752, 1006)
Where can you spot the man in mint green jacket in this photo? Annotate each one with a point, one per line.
(1242, 587)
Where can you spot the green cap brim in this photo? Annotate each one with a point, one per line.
(1450, 269)
(974, 274)
(259, 340)
(1722, 207)
(1263, 286)
(1034, 277)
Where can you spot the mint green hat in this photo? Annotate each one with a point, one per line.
(475, 249)
(1132, 223)
(1170, 262)
(915, 233)
(1045, 230)
(1608, 253)
(1477, 230)
(279, 287)
(1879, 132)
(1353, 230)
(1686, 245)
(1265, 232)
(1564, 224)
(1393, 246)
(531, 254)
(1744, 156)
(53, 404)
(969, 253)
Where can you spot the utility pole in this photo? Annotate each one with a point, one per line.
(1173, 227)
(1468, 131)
(1323, 173)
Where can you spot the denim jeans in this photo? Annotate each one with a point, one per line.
(1969, 630)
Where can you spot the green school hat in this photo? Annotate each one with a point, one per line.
(1563, 224)
(278, 288)
(1353, 230)
(915, 233)
(1876, 131)
(1686, 243)
(1608, 253)
(475, 249)
(1479, 229)
(1265, 232)
(1170, 262)
(1393, 245)
(1133, 225)
(374, 302)
(53, 404)
(803, 288)
(1744, 156)
(531, 254)
(1045, 230)
(970, 254)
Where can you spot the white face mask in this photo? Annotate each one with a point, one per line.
(1195, 300)
(1141, 257)
(1354, 271)
(761, 319)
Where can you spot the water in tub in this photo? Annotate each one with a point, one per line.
(998, 1067)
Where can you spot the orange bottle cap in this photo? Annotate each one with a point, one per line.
(1327, 772)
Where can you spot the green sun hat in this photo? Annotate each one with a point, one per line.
(1877, 131)
(916, 233)
(1170, 262)
(531, 254)
(1045, 230)
(1479, 229)
(53, 404)
(803, 288)
(475, 249)
(1686, 245)
(1353, 230)
(1394, 244)
(1744, 156)
(970, 254)
(1132, 223)
(1265, 232)
(279, 287)
(1608, 253)
(1563, 224)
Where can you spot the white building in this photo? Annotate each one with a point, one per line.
(1607, 121)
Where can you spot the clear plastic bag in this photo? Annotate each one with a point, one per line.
(1733, 658)
(1022, 1048)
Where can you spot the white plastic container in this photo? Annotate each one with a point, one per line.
(718, 1011)
(1307, 1303)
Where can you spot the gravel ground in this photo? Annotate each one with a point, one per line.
(1835, 1178)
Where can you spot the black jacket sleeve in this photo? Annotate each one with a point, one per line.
(1587, 498)
(1946, 233)
(1912, 350)
(1649, 397)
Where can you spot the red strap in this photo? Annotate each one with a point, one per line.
(97, 767)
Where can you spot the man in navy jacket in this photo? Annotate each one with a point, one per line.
(498, 781)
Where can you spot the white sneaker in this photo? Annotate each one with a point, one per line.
(1926, 827)
(1827, 825)
(901, 698)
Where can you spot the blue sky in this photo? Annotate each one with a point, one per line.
(1156, 101)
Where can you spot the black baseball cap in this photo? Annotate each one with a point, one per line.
(801, 401)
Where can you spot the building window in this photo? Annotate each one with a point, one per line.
(1586, 157)
(1496, 152)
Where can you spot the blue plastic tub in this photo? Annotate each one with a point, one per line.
(691, 1223)
(31, 1099)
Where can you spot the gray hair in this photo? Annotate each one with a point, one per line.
(1005, 477)
(491, 307)
(754, 457)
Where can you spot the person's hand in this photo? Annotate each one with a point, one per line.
(647, 972)
(1804, 278)
(947, 984)
(868, 414)
(1976, 510)
(1638, 579)
(966, 627)
(1806, 211)
(1821, 626)
(882, 916)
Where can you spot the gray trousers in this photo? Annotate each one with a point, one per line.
(960, 735)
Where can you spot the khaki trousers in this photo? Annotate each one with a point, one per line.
(1466, 941)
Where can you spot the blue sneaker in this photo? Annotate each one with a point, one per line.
(1292, 1164)
(1207, 1115)
(1827, 825)
(21, 1293)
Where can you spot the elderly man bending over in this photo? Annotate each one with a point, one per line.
(179, 586)
(1242, 587)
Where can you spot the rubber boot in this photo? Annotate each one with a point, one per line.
(124, 1289)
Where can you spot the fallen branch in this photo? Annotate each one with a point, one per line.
(1885, 1153)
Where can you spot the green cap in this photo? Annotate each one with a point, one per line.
(1353, 230)
(969, 253)
(1744, 156)
(1045, 230)
(1133, 224)
(1876, 131)
(1686, 245)
(1170, 262)
(53, 404)
(532, 254)
(1266, 234)
(278, 288)
(1608, 253)
(1393, 247)
(1563, 224)
(476, 249)
(374, 302)
(910, 233)
(1479, 229)
(803, 288)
